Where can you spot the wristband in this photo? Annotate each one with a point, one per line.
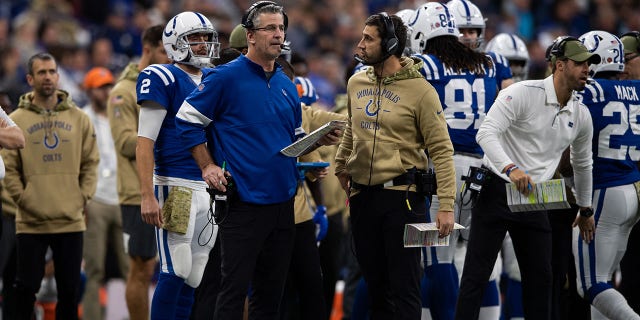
(508, 172)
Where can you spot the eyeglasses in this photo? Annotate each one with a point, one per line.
(272, 28)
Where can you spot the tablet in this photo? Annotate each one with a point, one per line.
(305, 144)
(312, 165)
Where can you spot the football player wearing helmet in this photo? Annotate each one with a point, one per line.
(515, 50)
(470, 22)
(472, 25)
(466, 83)
(174, 196)
(613, 106)
(631, 261)
(406, 15)
(180, 39)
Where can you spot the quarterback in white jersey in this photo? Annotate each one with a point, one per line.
(614, 107)
(174, 196)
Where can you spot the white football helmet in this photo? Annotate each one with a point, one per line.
(431, 20)
(178, 46)
(515, 50)
(406, 15)
(468, 16)
(608, 47)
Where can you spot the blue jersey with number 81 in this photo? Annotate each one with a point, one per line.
(465, 98)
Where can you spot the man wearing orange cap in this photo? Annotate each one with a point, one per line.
(104, 220)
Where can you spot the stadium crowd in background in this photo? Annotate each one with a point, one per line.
(325, 32)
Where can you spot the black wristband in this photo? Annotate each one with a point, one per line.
(586, 212)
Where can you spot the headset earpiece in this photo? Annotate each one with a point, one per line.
(247, 18)
(557, 47)
(389, 40)
(635, 34)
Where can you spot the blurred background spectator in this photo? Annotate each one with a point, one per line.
(87, 33)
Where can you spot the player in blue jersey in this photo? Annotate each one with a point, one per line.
(515, 51)
(472, 25)
(614, 106)
(174, 196)
(466, 84)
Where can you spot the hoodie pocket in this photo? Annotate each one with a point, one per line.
(48, 197)
(386, 163)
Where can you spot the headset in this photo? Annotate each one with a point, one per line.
(635, 34)
(389, 40)
(556, 50)
(247, 18)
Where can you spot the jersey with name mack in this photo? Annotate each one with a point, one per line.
(615, 110)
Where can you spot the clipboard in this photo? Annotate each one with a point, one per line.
(425, 235)
(307, 143)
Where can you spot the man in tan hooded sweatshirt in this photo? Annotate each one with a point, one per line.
(51, 180)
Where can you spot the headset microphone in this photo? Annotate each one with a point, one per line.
(358, 58)
(285, 46)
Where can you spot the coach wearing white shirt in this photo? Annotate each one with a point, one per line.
(523, 136)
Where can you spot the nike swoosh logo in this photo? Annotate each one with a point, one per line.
(439, 112)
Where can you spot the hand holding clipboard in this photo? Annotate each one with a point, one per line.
(308, 142)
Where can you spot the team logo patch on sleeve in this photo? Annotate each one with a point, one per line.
(200, 87)
(117, 99)
(508, 98)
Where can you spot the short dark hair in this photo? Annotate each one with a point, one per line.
(44, 56)
(153, 35)
(398, 26)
